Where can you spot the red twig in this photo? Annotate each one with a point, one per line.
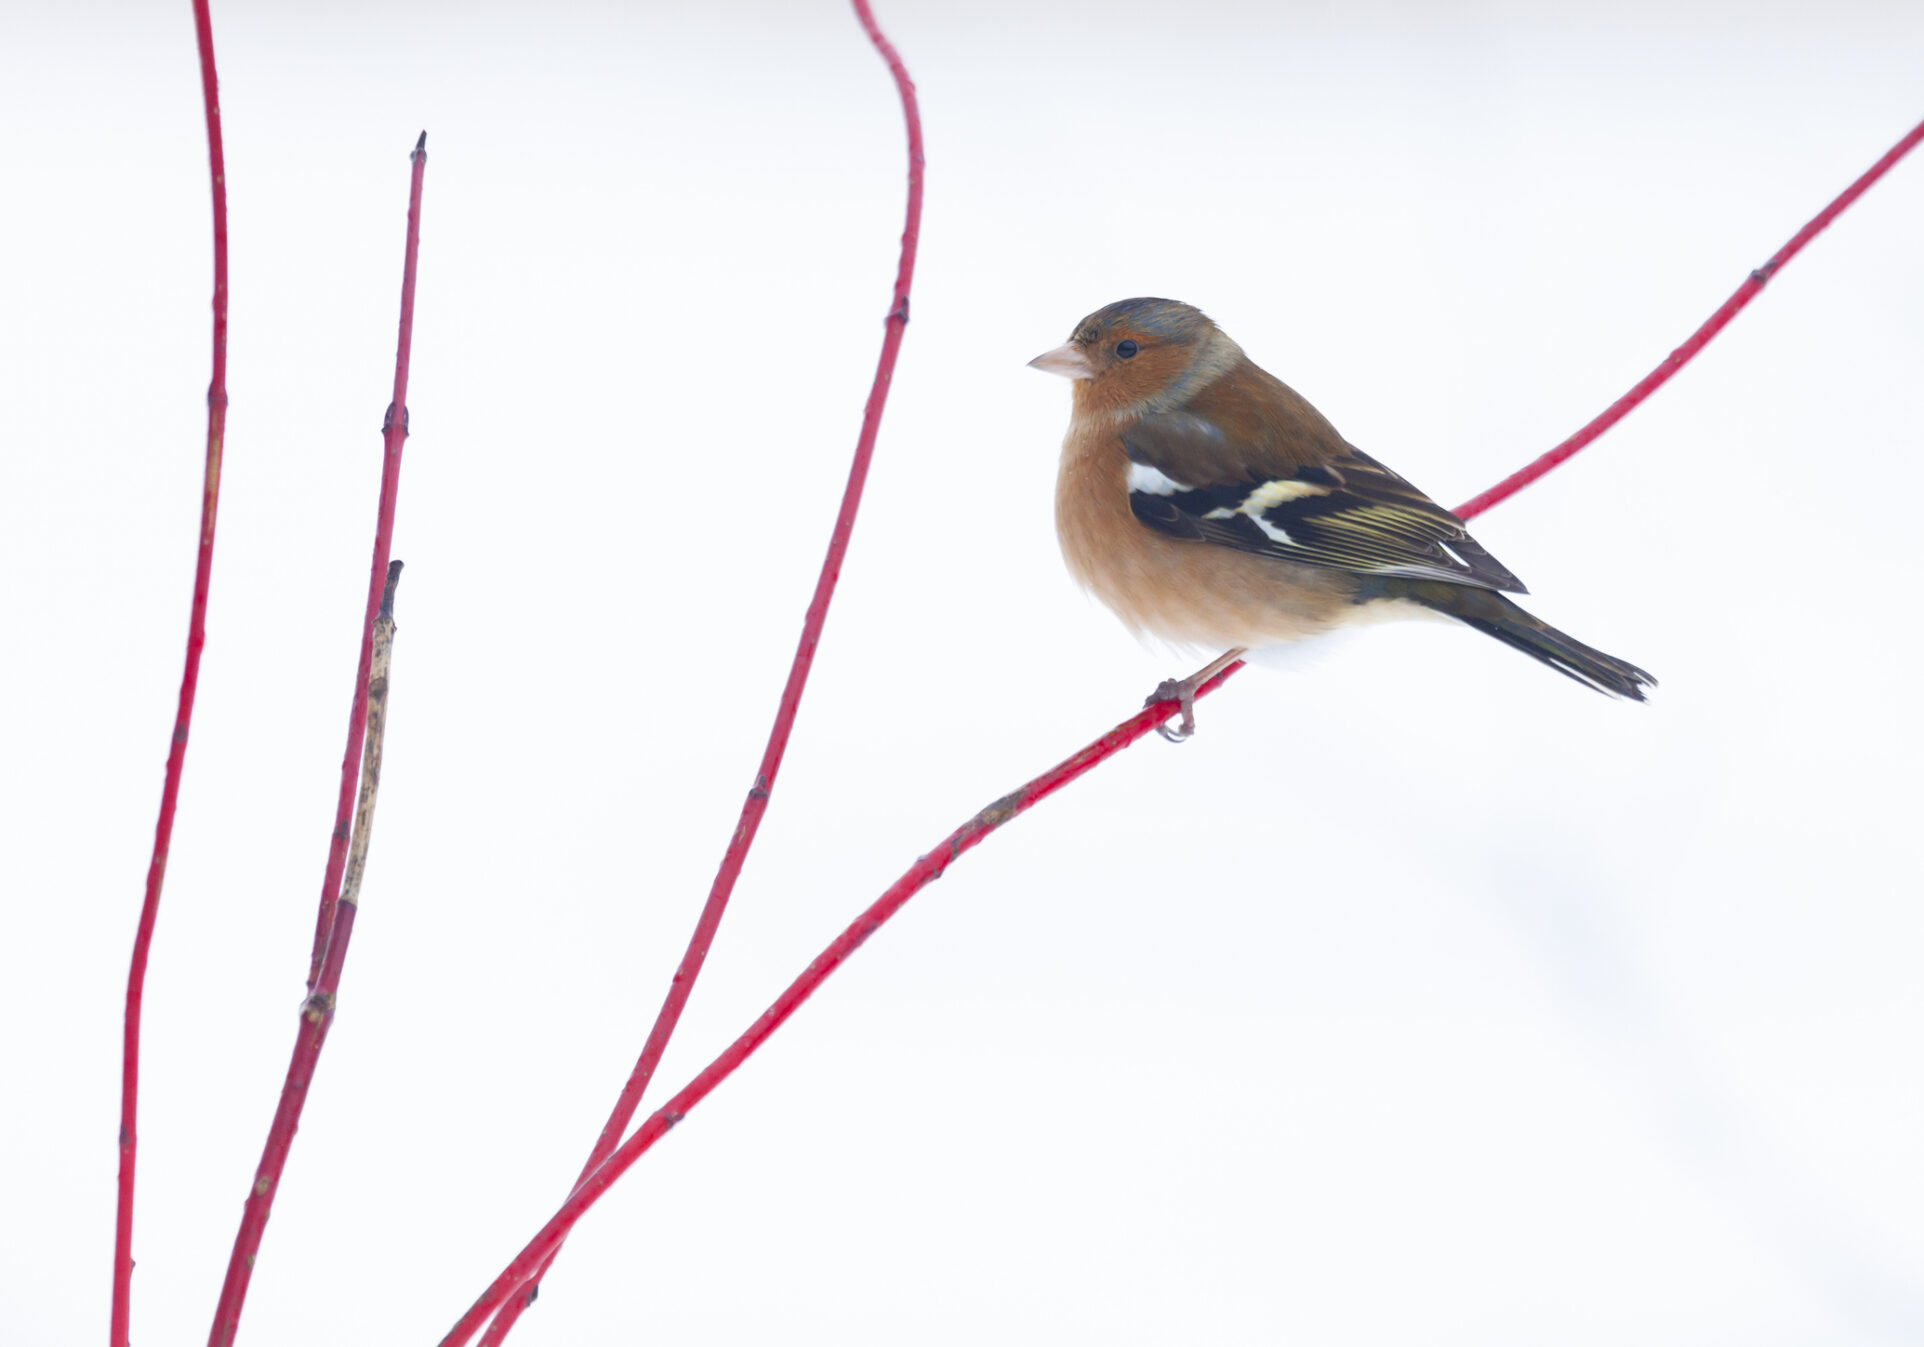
(1683, 355)
(394, 430)
(683, 982)
(913, 880)
(317, 1014)
(540, 1250)
(184, 713)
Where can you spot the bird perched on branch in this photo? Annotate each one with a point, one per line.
(1207, 503)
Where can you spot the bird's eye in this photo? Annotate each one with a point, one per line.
(1126, 349)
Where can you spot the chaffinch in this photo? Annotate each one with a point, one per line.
(1207, 503)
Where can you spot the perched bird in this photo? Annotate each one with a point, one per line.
(1207, 503)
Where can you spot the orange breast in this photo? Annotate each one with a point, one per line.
(1187, 593)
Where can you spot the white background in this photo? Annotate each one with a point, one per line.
(1424, 997)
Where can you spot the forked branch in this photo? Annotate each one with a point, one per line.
(755, 804)
(336, 915)
(540, 1250)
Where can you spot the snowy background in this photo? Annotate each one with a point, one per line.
(1423, 998)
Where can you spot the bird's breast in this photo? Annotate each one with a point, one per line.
(1187, 593)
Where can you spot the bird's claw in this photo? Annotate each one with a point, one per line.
(1179, 691)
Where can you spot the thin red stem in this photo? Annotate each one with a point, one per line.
(394, 430)
(539, 1251)
(756, 804)
(926, 868)
(1683, 355)
(184, 712)
(317, 1014)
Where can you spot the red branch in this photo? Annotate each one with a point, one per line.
(317, 1014)
(931, 866)
(184, 714)
(683, 982)
(914, 879)
(394, 429)
(1753, 285)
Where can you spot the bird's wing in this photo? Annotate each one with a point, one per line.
(1286, 485)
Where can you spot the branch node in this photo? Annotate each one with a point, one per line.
(995, 815)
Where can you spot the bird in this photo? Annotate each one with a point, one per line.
(1207, 503)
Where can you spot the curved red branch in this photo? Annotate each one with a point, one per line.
(756, 803)
(1683, 355)
(184, 713)
(317, 1014)
(926, 868)
(541, 1249)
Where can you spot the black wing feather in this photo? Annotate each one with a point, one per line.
(1353, 515)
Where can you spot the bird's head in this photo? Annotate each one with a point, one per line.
(1147, 353)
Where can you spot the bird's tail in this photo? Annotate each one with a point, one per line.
(1494, 615)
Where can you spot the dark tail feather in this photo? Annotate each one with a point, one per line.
(1494, 615)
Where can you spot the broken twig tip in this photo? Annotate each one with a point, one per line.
(421, 145)
(387, 593)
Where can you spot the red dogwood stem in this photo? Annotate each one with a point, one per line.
(324, 982)
(1683, 355)
(394, 431)
(683, 982)
(184, 713)
(541, 1249)
(926, 868)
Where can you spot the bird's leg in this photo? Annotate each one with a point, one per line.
(1182, 691)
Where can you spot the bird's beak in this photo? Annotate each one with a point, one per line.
(1068, 361)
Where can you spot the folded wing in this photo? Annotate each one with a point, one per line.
(1245, 482)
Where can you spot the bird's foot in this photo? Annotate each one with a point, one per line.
(1181, 691)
